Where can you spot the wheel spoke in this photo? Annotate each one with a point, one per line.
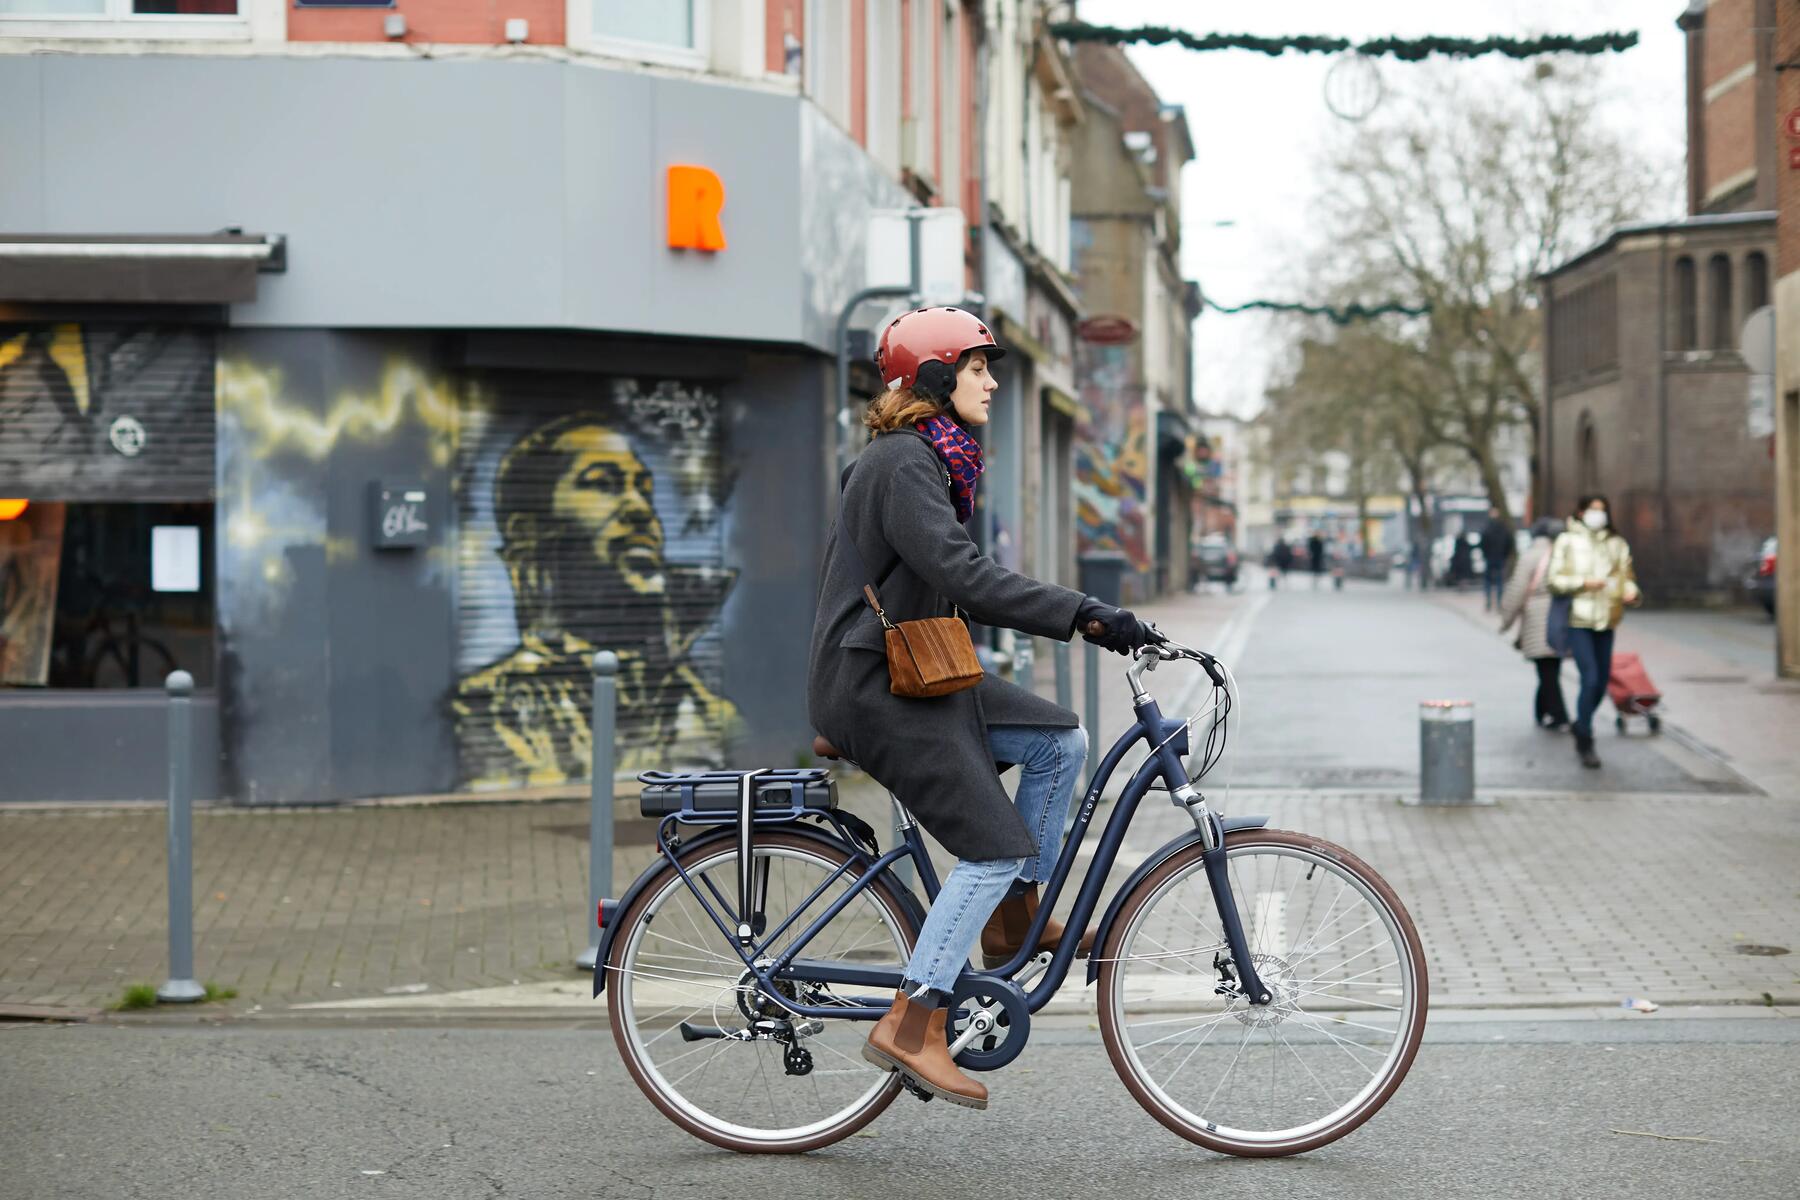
(678, 972)
(1319, 931)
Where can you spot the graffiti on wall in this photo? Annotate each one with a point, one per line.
(598, 529)
(1112, 462)
(87, 410)
(272, 440)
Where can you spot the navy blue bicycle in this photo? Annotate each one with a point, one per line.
(1261, 992)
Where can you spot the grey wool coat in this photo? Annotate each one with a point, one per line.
(932, 753)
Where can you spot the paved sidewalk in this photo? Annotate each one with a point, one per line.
(1548, 897)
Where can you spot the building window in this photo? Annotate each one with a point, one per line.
(667, 23)
(1756, 281)
(1589, 472)
(949, 85)
(1687, 305)
(882, 79)
(918, 136)
(668, 31)
(106, 595)
(827, 58)
(183, 19)
(1718, 283)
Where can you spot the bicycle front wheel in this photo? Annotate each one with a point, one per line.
(1334, 946)
(716, 1055)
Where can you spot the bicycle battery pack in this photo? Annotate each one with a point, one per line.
(708, 797)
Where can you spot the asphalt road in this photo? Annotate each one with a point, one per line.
(1493, 1108)
(1332, 683)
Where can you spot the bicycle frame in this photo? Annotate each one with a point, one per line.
(1167, 742)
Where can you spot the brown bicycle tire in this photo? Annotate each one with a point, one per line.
(1111, 1019)
(909, 934)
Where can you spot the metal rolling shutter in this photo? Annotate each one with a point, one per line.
(590, 517)
(106, 412)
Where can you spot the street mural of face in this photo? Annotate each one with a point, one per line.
(575, 508)
(607, 492)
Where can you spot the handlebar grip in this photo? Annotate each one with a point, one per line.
(1211, 666)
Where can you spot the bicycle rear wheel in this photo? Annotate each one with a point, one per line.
(677, 985)
(1332, 943)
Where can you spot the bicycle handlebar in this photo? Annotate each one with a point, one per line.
(1170, 651)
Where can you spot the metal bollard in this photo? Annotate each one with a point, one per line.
(1065, 687)
(600, 799)
(181, 987)
(1446, 752)
(1024, 662)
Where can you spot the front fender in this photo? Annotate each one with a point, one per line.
(615, 910)
(1162, 855)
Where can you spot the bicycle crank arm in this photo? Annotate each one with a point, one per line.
(982, 1022)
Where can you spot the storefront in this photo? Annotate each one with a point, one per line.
(387, 507)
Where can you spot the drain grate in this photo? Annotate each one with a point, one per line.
(1759, 950)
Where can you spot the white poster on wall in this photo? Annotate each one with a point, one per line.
(175, 558)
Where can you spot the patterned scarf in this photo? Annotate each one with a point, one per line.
(961, 455)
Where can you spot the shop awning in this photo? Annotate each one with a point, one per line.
(213, 268)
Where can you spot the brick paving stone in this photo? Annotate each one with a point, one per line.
(1547, 897)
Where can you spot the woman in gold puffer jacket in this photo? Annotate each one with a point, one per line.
(1591, 564)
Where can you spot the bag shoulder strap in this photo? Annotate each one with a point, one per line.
(849, 539)
(1537, 575)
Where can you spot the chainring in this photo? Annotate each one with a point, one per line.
(1003, 1043)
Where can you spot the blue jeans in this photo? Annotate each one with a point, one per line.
(1049, 761)
(1592, 652)
(1493, 585)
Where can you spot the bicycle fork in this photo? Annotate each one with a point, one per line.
(1212, 837)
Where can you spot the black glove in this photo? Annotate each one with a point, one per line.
(1115, 629)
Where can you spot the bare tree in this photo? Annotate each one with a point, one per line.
(1365, 393)
(1461, 199)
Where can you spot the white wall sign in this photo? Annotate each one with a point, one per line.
(175, 558)
(887, 261)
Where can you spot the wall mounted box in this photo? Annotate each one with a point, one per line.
(399, 515)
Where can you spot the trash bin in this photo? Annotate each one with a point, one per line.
(1103, 574)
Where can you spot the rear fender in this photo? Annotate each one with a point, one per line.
(1162, 855)
(615, 910)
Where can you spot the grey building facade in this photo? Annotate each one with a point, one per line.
(547, 345)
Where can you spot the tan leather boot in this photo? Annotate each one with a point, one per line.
(910, 1039)
(1005, 931)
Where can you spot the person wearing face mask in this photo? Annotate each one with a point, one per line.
(1591, 565)
(900, 527)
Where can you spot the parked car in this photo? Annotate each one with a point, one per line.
(1216, 561)
(1761, 583)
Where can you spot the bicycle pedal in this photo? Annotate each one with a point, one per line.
(907, 1082)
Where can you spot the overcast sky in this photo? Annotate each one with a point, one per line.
(1260, 122)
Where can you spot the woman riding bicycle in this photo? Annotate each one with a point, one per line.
(905, 502)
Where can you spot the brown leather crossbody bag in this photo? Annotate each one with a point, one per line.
(932, 656)
(929, 657)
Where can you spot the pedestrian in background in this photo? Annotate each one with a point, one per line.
(1462, 561)
(1281, 561)
(1526, 603)
(1591, 566)
(1496, 548)
(1315, 557)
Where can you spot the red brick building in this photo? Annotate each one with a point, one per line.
(1647, 398)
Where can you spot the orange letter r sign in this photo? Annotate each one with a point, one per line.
(695, 197)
